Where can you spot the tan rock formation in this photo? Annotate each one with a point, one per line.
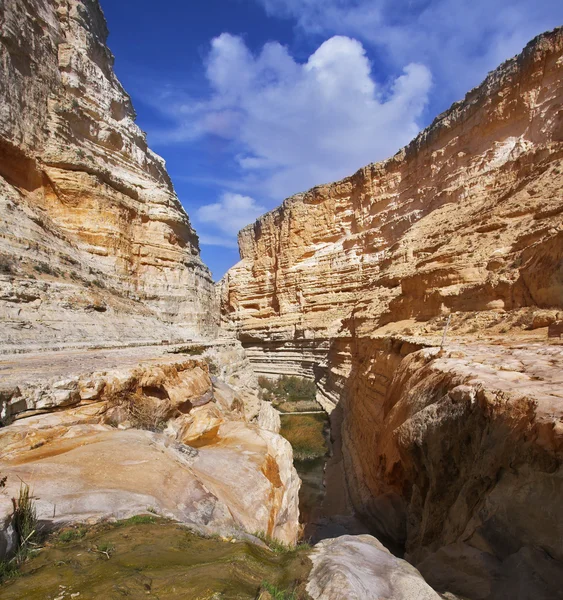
(468, 217)
(452, 453)
(84, 447)
(449, 453)
(360, 568)
(94, 244)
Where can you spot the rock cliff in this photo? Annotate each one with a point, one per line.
(94, 244)
(467, 217)
(448, 452)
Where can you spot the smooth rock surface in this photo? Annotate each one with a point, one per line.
(359, 567)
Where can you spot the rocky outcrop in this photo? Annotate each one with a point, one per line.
(360, 568)
(448, 452)
(467, 217)
(153, 437)
(94, 244)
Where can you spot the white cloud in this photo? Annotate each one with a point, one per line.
(228, 216)
(295, 125)
(460, 41)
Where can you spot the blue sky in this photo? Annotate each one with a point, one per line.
(250, 101)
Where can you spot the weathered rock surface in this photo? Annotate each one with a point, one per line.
(451, 454)
(94, 244)
(358, 567)
(468, 217)
(85, 456)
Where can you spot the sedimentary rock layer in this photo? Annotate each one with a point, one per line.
(467, 217)
(94, 244)
(448, 454)
(158, 436)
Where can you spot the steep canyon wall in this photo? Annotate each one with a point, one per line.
(448, 453)
(466, 218)
(94, 244)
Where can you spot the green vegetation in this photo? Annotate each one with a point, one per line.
(137, 559)
(26, 527)
(191, 350)
(306, 435)
(70, 535)
(277, 594)
(138, 520)
(287, 388)
(277, 546)
(213, 368)
(47, 269)
(6, 264)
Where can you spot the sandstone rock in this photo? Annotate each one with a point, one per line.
(94, 244)
(361, 568)
(450, 442)
(209, 468)
(412, 238)
(269, 418)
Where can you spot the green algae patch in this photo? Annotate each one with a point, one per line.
(157, 559)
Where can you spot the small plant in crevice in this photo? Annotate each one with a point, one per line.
(6, 265)
(212, 366)
(25, 523)
(277, 546)
(145, 414)
(190, 350)
(275, 593)
(106, 549)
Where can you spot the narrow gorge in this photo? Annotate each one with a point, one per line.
(451, 442)
(423, 296)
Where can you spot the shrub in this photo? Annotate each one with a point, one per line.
(213, 368)
(191, 350)
(6, 265)
(47, 269)
(145, 413)
(287, 388)
(305, 434)
(25, 517)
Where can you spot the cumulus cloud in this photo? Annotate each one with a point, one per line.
(296, 124)
(459, 41)
(226, 217)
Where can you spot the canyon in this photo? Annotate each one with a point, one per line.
(423, 295)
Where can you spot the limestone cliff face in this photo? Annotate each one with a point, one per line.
(448, 453)
(468, 217)
(94, 244)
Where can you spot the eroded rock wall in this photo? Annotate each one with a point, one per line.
(451, 454)
(448, 453)
(160, 435)
(94, 244)
(468, 217)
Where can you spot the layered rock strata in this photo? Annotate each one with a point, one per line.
(448, 453)
(94, 244)
(159, 436)
(468, 217)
